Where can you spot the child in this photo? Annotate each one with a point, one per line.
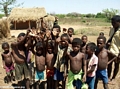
(70, 33)
(8, 64)
(77, 60)
(103, 55)
(19, 55)
(92, 61)
(40, 62)
(101, 34)
(50, 60)
(84, 42)
(60, 64)
(56, 29)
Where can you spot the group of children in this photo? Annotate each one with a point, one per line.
(74, 61)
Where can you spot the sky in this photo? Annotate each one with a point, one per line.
(68, 6)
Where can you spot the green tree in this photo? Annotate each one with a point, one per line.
(109, 13)
(7, 5)
(100, 15)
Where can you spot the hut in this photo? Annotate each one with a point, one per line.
(4, 28)
(23, 18)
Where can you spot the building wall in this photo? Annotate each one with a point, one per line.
(23, 25)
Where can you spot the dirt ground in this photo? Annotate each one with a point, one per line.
(90, 38)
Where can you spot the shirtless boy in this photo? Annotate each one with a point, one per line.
(50, 61)
(77, 60)
(40, 62)
(8, 62)
(103, 55)
(19, 55)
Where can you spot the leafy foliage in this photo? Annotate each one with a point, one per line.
(7, 5)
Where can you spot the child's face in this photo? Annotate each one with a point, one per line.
(100, 43)
(39, 50)
(50, 50)
(115, 24)
(20, 38)
(84, 39)
(64, 41)
(88, 50)
(76, 47)
(57, 30)
(70, 32)
(6, 49)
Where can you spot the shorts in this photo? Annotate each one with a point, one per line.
(39, 75)
(50, 72)
(58, 75)
(91, 82)
(9, 69)
(21, 70)
(74, 80)
(103, 75)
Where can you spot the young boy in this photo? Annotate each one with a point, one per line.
(60, 64)
(8, 64)
(40, 62)
(92, 61)
(19, 55)
(103, 55)
(77, 61)
(50, 61)
(56, 29)
(70, 33)
(84, 39)
(101, 34)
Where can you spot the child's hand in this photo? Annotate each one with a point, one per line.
(84, 78)
(67, 44)
(65, 76)
(28, 31)
(64, 30)
(4, 67)
(48, 33)
(54, 33)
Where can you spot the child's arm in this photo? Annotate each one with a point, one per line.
(112, 60)
(3, 61)
(17, 43)
(84, 68)
(92, 69)
(114, 57)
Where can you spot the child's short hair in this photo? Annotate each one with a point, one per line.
(101, 33)
(57, 26)
(84, 36)
(5, 44)
(116, 18)
(92, 46)
(64, 35)
(77, 41)
(39, 44)
(102, 37)
(21, 34)
(71, 29)
(51, 44)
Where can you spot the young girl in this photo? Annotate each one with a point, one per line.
(92, 61)
(8, 62)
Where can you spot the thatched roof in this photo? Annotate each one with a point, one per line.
(25, 14)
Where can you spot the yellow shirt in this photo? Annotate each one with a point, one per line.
(115, 43)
